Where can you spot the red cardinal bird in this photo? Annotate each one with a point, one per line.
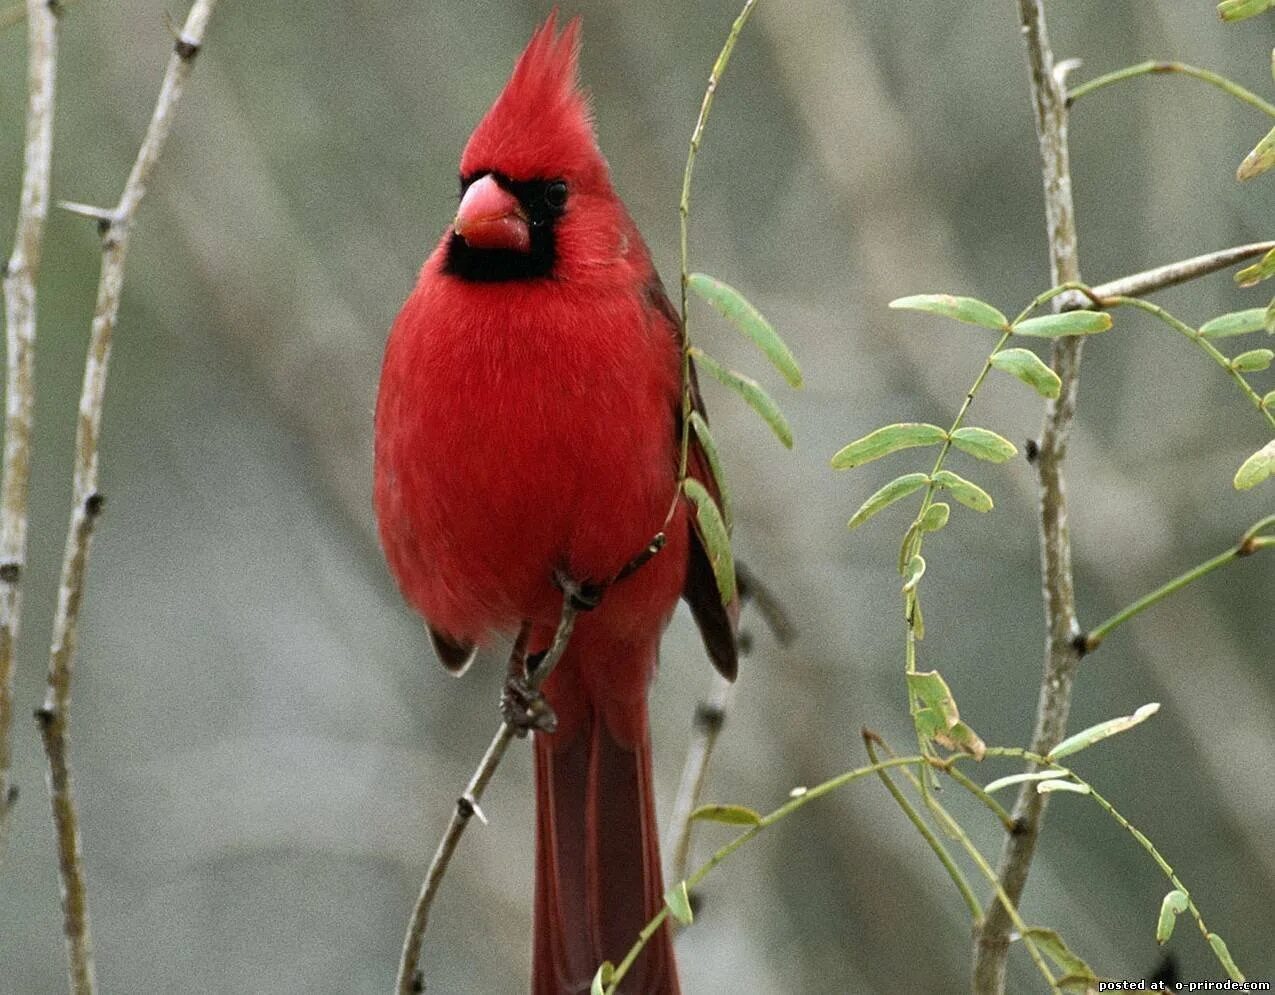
(528, 427)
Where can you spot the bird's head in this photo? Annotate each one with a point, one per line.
(536, 198)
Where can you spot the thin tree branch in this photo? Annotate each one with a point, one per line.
(19, 288)
(1171, 274)
(870, 741)
(410, 978)
(1249, 543)
(53, 716)
(991, 947)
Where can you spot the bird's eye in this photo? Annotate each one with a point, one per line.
(556, 195)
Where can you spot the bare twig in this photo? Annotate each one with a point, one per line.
(53, 715)
(1170, 275)
(19, 288)
(410, 979)
(991, 947)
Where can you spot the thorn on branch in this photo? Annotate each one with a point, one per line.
(10, 572)
(709, 717)
(1031, 449)
(639, 561)
(464, 807)
(94, 503)
(102, 215)
(186, 49)
(45, 715)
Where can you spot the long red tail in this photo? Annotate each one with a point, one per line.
(597, 845)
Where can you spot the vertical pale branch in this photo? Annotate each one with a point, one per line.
(1061, 654)
(115, 226)
(20, 275)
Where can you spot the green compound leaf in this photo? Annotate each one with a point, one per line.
(1236, 323)
(1253, 361)
(1174, 904)
(1052, 326)
(1030, 369)
(730, 815)
(938, 717)
(1053, 947)
(936, 516)
(887, 440)
(751, 391)
(1048, 787)
(914, 572)
(1011, 779)
(733, 306)
(984, 444)
(1238, 10)
(1263, 269)
(1256, 468)
(1259, 160)
(712, 530)
(967, 309)
(679, 903)
(1097, 733)
(970, 495)
(604, 976)
(896, 489)
(911, 543)
(1224, 957)
(706, 443)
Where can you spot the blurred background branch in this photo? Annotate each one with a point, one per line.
(114, 228)
(20, 276)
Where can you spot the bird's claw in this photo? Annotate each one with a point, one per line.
(525, 708)
(582, 595)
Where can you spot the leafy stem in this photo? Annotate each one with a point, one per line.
(684, 216)
(1143, 841)
(1203, 343)
(757, 824)
(1252, 541)
(1154, 68)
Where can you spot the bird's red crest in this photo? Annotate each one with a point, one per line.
(540, 126)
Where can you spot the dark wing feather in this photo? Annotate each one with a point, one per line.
(455, 655)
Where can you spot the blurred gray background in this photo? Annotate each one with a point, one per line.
(265, 750)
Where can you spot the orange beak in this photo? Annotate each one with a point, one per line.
(490, 217)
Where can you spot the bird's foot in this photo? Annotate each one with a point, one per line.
(525, 708)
